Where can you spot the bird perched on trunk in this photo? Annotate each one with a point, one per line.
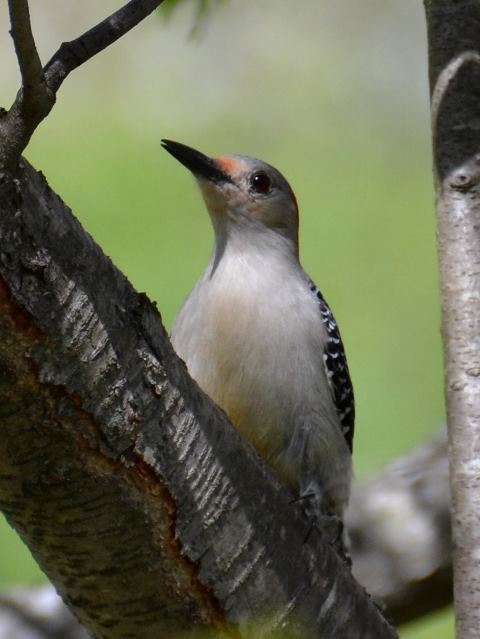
(258, 336)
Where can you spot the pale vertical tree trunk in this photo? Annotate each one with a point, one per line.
(454, 41)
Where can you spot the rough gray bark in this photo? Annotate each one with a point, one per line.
(454, 41)
(136, 496)
(399, 528)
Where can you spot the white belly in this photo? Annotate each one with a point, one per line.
(256, 348)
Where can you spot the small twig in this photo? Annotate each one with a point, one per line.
(34, 90)
(27, 55)
(74, 53)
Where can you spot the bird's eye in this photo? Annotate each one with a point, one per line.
(260, 182)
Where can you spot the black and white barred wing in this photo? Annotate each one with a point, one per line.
(336, 368)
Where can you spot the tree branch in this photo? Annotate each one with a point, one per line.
(136, 496)
(399, 526)
(454, 37)
(72, 54)
(33, 80)
(36, 98)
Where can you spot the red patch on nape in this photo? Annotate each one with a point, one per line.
(227, 164)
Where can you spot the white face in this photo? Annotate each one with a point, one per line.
(256, 194)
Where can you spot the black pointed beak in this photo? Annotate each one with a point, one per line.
(200, 165)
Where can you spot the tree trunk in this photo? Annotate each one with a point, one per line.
(454, 41)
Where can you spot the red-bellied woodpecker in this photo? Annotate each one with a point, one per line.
(258, 336)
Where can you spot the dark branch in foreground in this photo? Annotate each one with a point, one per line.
(401, 548)
(36, 98)
(134, 493)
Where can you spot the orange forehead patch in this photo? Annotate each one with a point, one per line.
(227, 164)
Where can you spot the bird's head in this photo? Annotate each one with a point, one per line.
(242, 194)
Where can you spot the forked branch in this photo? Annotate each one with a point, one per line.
(37, 95)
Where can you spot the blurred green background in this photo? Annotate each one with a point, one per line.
(333, 94)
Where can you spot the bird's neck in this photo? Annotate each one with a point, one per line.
(250, 246)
